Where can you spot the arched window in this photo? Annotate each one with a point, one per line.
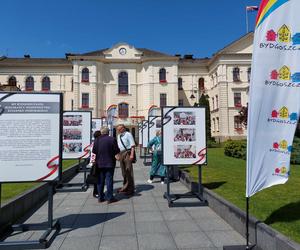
(123, 82)
(162, 75)
(85, 75)
(236, 74)
(249, 74)
(201, 84)
(180, 83)
(46, 84)
(29, 83)
(12, 81)
(123, 110)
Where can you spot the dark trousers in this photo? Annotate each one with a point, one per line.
(106, 176)
(127, 172)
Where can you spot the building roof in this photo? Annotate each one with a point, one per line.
(146, 53)
(34, 61)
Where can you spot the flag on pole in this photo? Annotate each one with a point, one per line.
(252, 8)
(274, 97)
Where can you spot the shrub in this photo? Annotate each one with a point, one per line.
(236, 149)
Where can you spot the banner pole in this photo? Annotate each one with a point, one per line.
(0, 193)
(50, 205)
(247, 222)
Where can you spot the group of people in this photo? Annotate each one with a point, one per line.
(107, 150)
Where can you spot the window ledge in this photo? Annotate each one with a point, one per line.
(120, 94)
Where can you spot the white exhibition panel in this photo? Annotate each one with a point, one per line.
(154, 126)
(30, 136)
(96, 125)
(76, 134)
(145, 134)
(184, 138)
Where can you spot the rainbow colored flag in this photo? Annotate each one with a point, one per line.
(274, 96)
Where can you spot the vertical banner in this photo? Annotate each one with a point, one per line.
(145, 133)
(140, 127)
(30, 136)
(274, 94)
(183, 136)
(77, 134)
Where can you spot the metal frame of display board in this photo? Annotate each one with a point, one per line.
(171, 198)
(52, 225)
(82, 187)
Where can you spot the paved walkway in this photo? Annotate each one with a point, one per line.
(143, 221)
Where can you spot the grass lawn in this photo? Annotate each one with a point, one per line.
(277, 206)
(11, 190)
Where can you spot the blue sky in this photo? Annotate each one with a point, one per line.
(52, 28)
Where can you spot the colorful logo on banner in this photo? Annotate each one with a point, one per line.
(281, 147)
(281, 171)
(283, 116)
(283, 77)
(282, 39)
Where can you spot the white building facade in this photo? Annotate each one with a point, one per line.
(135, 80)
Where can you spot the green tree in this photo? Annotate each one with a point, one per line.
(204, 102)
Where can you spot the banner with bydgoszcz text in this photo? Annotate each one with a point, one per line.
(274, 99)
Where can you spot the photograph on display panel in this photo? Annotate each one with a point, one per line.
(31, 125)
(184, 127)
(77, 133)
(96, 125)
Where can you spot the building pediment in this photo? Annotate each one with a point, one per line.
(123, 51)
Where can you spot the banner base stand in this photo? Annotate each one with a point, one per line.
(52, 229)
(72, 187)
(174, 197)
(238, 247)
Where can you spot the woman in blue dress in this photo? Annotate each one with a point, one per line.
(157, 168)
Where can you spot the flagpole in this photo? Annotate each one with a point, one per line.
(247, 222)
(247, 26)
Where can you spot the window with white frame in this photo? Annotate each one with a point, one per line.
(85, 100)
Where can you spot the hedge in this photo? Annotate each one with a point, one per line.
(238, 149)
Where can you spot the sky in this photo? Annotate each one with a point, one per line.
(51, 28)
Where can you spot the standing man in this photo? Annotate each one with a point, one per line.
(127, 156)
(106, 150)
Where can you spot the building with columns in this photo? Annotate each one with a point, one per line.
(136, 79)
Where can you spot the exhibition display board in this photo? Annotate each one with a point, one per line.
(154, 126)
(96, 125)
(30, 136)
(183, 136)
(144, 133)
(77, 126)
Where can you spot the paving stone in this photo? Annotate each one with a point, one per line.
(128, 242)
(74, 243)
(148, 216)
(151, 227)
(156, 241)
(176, 215)
(119, 228)
(192, 240)
(145, 207)
(225, 238)
(183, 226)
(211, 224)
